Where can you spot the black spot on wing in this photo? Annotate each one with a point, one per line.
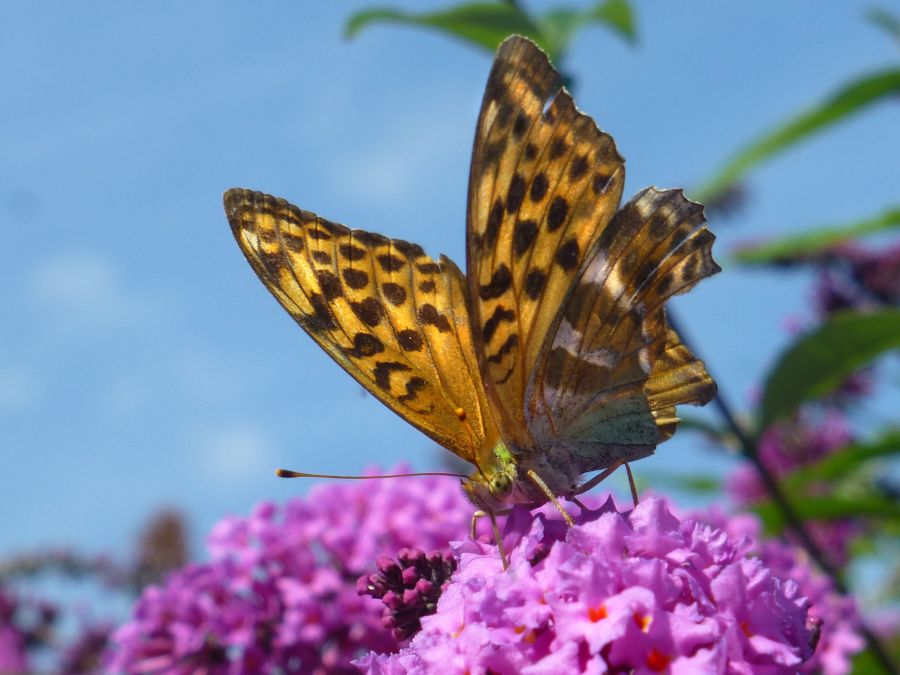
(520, 125)
(411, 251)
(395, 293)
(578, 167)
(534, 283)
(390, 263)
(321, 257)
(355, 279)
(498, 285)
(523, 236)
(351, 252)
(334, 229)
(370, 311)
(365, 345)
(413, 386)
(567, 256)
(664, 284)
(558, 148)
(321, 318)
(330, 284)
(600, 182)
(505, 348)
(556, 216)
(499, 316)
(429, 315)
(410, 340)
(427, 286)
(293, 242)
(383, 370)
(516, 194)
(429, 268)
(538, 187)
(370, 238)
(492, 230)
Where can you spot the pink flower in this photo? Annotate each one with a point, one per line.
(638, 590)
(835, 615)
(792, 444)
(279, 592)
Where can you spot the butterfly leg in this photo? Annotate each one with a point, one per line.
(481, 514)
(537, 480)
(599, 478)
(634, 494)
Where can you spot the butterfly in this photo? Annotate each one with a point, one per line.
(551, 357)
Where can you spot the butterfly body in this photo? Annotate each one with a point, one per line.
(551, 357)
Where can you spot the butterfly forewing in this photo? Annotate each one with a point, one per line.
(544, 184)
(615, 370)
(391, 316)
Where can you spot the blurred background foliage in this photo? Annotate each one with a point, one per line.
(813, 475)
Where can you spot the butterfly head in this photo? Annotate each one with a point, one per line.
(491, 486)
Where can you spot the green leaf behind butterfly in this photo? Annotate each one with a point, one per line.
(485, 24)
(559, 26)
(817, 240)
(830, 507)
(818, 362)
(847, 101)
(845, 462)
(887, 21)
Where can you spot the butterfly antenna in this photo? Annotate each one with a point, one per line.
(285, 473)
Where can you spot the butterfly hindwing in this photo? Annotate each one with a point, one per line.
(544, 183)
(391, 316)
(615, 370)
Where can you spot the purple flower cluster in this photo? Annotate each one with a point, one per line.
(621, 591)
(409, 587)
(14, 637)
(853, 277)
(836, 616)
(279, 591)
(787, 446)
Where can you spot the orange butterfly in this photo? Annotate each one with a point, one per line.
(552, 356)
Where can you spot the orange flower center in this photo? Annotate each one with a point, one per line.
(657, 661)
(595, 614)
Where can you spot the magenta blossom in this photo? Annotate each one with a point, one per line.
(637, 591)
(793, 444)
(279, 593)
(836, 615)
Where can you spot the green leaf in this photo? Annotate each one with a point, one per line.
(816, 240)
(829, 507)
(703, 426)
(818, 362)
(485, 24)
(559, 26)
(885, 20)
(617, 15)
(853, 98)
(845, 462)
(699, 483)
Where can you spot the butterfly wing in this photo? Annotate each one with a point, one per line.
(392, 317)
(544, 183)
(615, 370)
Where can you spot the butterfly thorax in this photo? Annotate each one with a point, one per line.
(502, 480)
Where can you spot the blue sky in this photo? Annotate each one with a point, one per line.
(142, 362)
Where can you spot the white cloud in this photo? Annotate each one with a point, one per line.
(231, 453)
(83, 290)
(411, 149)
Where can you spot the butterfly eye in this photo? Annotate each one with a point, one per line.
(501, 485)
